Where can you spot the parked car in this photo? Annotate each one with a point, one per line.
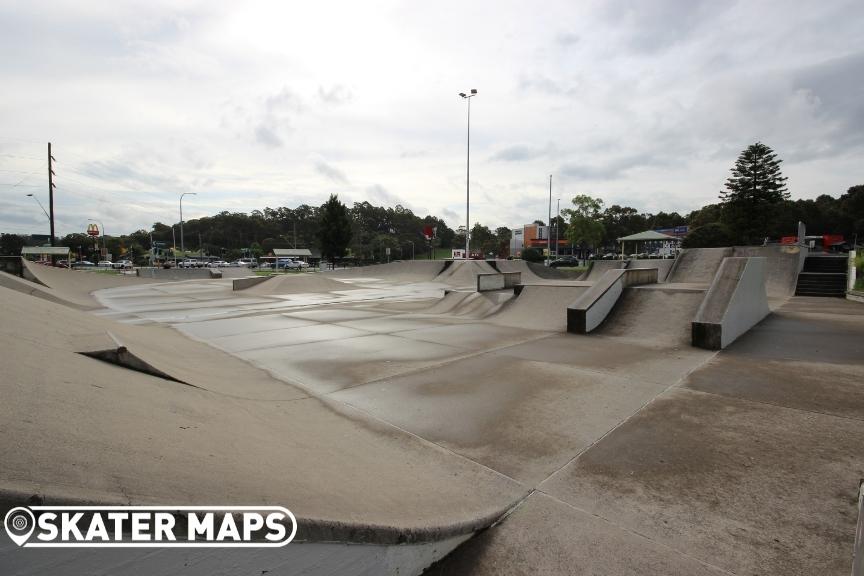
(83, 264)
(122, 265)
(217, 264)
(288, 264)
(564, 261)
(104, 264)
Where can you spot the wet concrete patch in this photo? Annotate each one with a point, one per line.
(749, 487)
(545, 536)
(522, 418)
(287, 337)
(828, 388)
(343, 363)
(623, 359)
(248, 325)
(473, 336)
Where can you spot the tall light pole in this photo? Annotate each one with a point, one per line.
(557, 223)
(182, 244)
(549, 229)
(104, 247)
(468, 175)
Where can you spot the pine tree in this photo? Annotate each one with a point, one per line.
(753, 194)
(334, 231)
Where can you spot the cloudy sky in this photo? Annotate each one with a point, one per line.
(253, 104)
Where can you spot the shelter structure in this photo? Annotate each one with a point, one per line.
(45, 252)
(661, 243)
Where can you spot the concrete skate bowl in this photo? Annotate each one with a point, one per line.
(663, 266)
(348, 477)
(403, 271)
(653, 316)
(539, 308)
(296, 283)
(596, 269)
(697, 265)
(70, 287)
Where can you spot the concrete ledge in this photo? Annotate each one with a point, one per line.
(589, 311)
(511, 279)
(855, 295)
(248, 282)
(736, 301)
(488, 282)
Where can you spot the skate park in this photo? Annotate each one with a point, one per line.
(457, 417)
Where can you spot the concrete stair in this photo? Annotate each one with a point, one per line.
(823, 276)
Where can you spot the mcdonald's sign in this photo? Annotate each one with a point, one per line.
(92, 230)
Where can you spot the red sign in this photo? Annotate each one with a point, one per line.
(92, 230)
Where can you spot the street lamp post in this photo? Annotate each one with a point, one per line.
(468, 175)
(549, 229)
(40, 206)
(557, 223)
(182, 243)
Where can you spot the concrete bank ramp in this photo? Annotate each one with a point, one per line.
(654, 316)
(402, 271)
(596, 268)
(528, 274)
(72, 287)
(463, 272)
(663, 266)
(296, 283)
(539, 307)
(347, 477)
(469, 304)
(782, 265)
(736, 301)
(697, 265)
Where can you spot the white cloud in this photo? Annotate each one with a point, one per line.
(249, 105)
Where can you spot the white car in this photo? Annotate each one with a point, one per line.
(122, 265)
(104, 264)
(217, 264)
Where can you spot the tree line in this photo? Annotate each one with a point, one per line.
(755, 205)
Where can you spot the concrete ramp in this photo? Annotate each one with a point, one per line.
(654, 316)
(402, 271)
(663, 266)
(528, 275)
(735, 303)
(539, 307)
(697, 265)
(464, 272)
(782, 265)
(474, 305)
(596, 268)
(73, 287)
(296, 283)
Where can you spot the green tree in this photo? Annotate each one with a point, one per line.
(754, 194)
(11, 244)
(334, 230)
(713, 235)
(584, 228)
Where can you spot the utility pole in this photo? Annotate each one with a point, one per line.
(557, 223)
(51, 160)
(468, 176)
(549, 229)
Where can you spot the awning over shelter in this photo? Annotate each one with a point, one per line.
(45, 250)
(292, 252)
(645, 236)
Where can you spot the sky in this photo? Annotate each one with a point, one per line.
(645, 103)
